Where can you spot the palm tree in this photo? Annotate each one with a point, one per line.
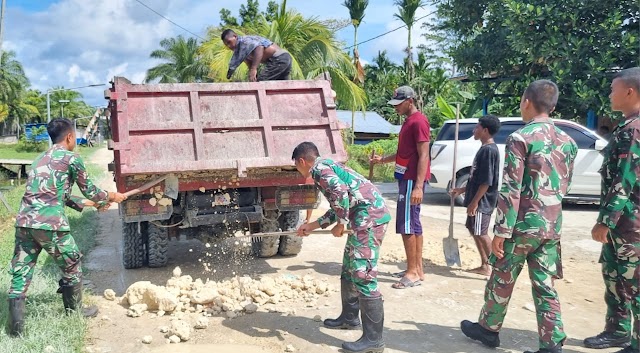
(13, 80)
(74, 108)
(183, 63)
(356, 12)
(407, 14)
(312, 45)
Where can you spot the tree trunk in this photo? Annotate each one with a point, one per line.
(353, 109)
(409, 56)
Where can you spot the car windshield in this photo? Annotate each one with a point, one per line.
(448, 132)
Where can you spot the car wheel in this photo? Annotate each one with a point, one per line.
(461, 182)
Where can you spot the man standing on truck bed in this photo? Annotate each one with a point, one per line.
(254, 50)
(42, 224)
(355, 201)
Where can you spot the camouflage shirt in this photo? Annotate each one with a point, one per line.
(48, 190)
(538, 167)
(353, 199)
(620, 195)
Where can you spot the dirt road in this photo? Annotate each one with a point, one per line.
(420, 319)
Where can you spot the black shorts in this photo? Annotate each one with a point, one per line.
(276, 68)
(479, 224)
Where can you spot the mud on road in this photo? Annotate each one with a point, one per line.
(420, 319)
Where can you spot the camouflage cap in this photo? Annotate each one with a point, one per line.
(401, 94)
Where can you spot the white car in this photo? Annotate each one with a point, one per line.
(586, 178)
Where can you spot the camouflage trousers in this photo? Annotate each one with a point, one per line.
(29, 243)
(360, 260)
(543, 258)
(621, 274)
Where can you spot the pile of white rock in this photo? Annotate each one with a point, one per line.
(231, 298)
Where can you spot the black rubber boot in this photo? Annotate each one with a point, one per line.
(628, 349)
(72, 300)
(372, 314)
(348, 318)
(607, 339)
(474, 331)
(16, 316)
(555, 349)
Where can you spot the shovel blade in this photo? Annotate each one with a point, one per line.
(171, 186)
(451, 251)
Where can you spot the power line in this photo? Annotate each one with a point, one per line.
(391, 31)
(166, 18)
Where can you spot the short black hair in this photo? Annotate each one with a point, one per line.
(58, 128)
(306, 150)
(631, 78)
(491, 123)
(543, 94)
(226, 32)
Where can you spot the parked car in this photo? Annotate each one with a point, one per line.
(586, 178)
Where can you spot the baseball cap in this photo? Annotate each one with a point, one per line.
(401, 94)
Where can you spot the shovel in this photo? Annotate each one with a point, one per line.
(258, 236)
(170, 186)
(450, 244)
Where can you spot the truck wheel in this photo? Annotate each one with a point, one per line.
(133, 253)
(157, 245)
(461, 181)
(290, 244)
(267, 246)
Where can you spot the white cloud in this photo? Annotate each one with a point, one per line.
(77, 42)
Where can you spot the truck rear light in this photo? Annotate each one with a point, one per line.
(297, 197)
(436, 149)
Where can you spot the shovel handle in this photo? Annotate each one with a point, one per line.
(373, 154)
(144, 186)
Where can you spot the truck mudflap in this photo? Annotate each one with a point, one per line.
(139, 209)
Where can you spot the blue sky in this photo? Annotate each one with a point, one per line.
(74, 43)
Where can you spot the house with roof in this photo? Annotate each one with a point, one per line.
(370, 126)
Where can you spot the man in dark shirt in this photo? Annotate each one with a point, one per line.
(256, 50)
(481, 191)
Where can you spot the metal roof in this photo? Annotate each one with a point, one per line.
(369, 122)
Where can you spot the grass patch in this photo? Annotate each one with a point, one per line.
(45, 320)
(9, 151)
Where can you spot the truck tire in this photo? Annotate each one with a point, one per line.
(289, 244)
(157, 245)
(267, 246)
(461, 181)
(133, 254)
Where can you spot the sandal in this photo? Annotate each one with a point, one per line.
(405, 283)
(399, 274)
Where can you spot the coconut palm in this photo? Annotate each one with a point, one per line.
(356, 12)
(13, 81)
(407, 14)
(182, 62)
(312, 45)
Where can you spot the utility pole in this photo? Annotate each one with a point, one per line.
(1, 25)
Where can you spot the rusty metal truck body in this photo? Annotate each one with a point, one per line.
(230, 146)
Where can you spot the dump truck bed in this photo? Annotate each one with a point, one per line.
(243, 128)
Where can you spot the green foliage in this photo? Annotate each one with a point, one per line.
(182, 62)
(359, 156)
(576, 43)
(30, 144)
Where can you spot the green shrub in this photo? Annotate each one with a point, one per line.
(359, 156)
(30, 144)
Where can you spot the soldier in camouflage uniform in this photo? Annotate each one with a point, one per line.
(42, 224)
(358, 203)
(618, 224)
(537, 174)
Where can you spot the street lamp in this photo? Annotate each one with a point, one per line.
(62, 103)
(63, 89)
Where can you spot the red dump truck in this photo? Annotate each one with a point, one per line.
(229, 145)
